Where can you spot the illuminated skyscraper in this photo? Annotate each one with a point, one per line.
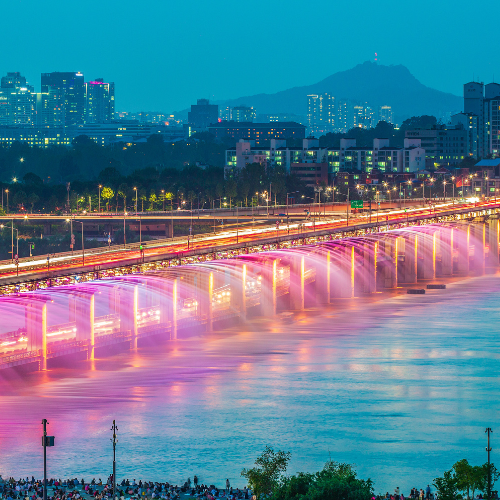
(320, 113)
(66, 94)
(385, 114)
(16, 100)
(99, 101)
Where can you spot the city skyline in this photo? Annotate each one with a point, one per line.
(191, 57)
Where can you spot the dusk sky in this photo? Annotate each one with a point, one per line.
(163, 55)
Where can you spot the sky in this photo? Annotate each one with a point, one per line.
(164, 54)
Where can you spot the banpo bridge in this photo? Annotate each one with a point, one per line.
(89, 318)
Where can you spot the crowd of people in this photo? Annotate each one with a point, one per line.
(96, 489)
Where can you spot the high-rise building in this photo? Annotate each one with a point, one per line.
(342, 123)
(320, 113)
(243, 114)
(483, 101)
(99, 101)
(385, 114)
(202, 115)
(66, 95)
(362, 116)
(16, 100)
(444, 146)
(469, 123)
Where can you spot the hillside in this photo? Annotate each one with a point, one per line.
(375, 83)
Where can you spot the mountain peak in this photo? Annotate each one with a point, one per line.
(371, 82)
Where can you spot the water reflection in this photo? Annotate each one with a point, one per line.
(403, 388)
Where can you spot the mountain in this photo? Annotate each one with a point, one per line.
(371, 82)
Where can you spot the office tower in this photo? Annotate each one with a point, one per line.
(16, 100)
(483, 101)
(99, 101)
(202, 115)
(342, 118)
(362, 116)
(66, 95)
(243, 114)
(385, 114)
(320, 113)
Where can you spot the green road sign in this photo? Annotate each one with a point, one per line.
(357, 204)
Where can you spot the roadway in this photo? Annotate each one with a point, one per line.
(122, 255)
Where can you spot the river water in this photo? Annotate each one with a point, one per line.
(400, 385)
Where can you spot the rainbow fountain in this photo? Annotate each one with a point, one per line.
(98, 317)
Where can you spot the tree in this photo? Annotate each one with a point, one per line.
(107, 193)
(32, 199)
(122, 192)
(270, 467)
(446, 486)
(464, 474)
(169, 197)
(152, 201)
(336, 481)
(231, 190)
(20, 199)
(143, 197)
(31, 179)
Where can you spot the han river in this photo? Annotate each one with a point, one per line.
(401, 385)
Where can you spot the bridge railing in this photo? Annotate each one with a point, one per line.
(22, 355)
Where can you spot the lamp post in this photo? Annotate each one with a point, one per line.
(124, 231)
(7, 191)
(444, 191)
(453, 182)
(114, 440)
(163, 198)
(72, 237)
(99, 189)
(135, 189)
(488, 431)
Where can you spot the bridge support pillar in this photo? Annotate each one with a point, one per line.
(129, 305)
(445, 249)
(390, 263)
(407, 272)
(36, 327)
(297, 276)
(84, 318)
(268, 287)
(479, 241)
(206, 294)
(369, 270)
(238, 281)
(323, 273)
(342, 285)
(426, 267)
(463, 241)
(493, 236)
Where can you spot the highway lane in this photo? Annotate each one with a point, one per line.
(127, 256)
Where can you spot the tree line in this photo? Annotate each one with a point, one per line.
(339, 481)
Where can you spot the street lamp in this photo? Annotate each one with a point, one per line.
(163, 198)
(453, 182)
(72, 237)
(135, 189)
(444, 191)
(7, 191)
(100, 187)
